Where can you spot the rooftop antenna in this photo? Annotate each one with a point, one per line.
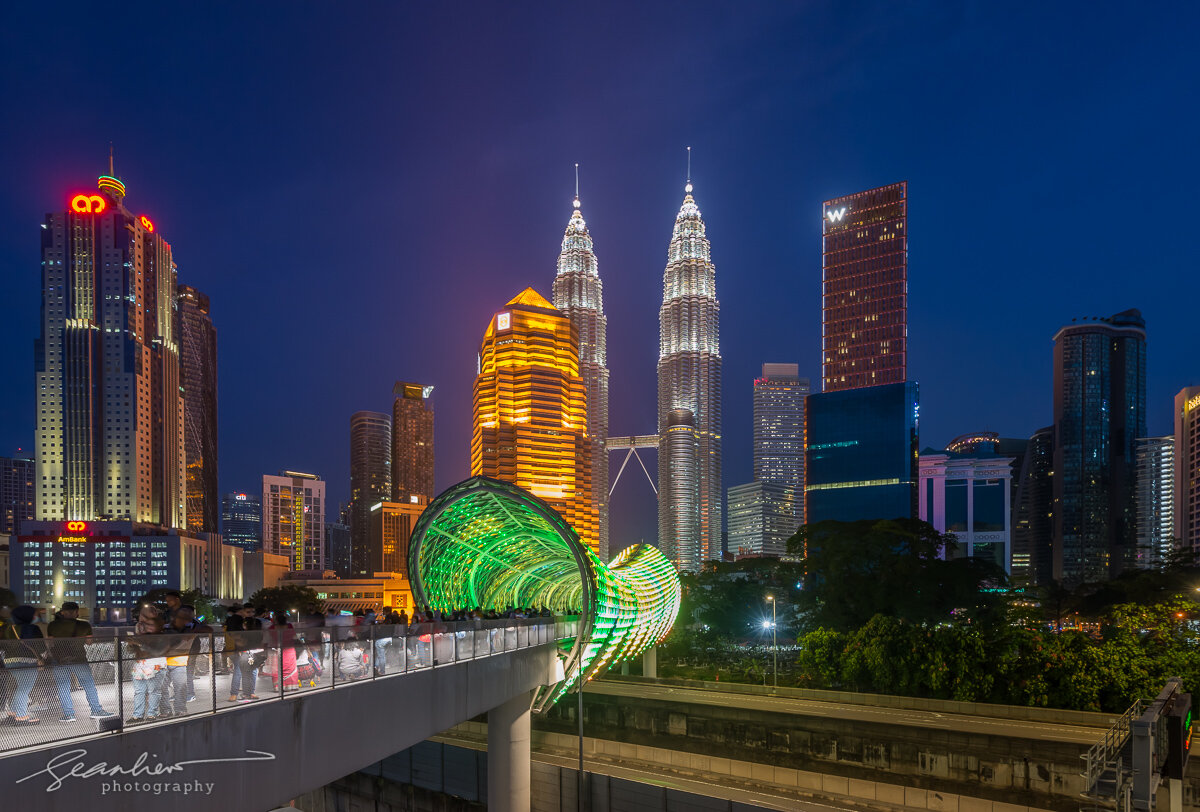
(110, 160)
(688, 188)
(577, 186)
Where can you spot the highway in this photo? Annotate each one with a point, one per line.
(961, 723)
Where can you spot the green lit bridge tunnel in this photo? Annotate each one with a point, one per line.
(489, 544)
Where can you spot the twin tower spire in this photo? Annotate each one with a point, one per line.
(689, 381)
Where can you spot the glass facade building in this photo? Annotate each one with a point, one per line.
(1187, 469)
(370, 480)
(1155, 501)
(198, 374)
(241, 520)
(1099, 412)
(779, 397)
(16, 493)
(412, 442)
(762, 517)
(969, 494)
(864, 274)
(1033, 512)
(862, 458)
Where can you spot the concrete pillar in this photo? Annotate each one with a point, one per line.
(624, 668)
(508, 754)
(650, 663)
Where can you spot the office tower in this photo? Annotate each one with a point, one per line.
(370, 479)
(862, 454)
(16, 493)
(241, 520)
(198, 374)
(1099, 412)
(864, 272)
(293, 518)
(530, 410)
(762, 517)
(109, 407)
(779, 397)
(579, 293)
(1155, 482)
(391, 528)
(1033, 512)
(1187, 471)
(689, 378)
(969, 494)
(412, 442)
(679, 534)
(337, 548)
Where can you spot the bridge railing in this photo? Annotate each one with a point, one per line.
(66, 688)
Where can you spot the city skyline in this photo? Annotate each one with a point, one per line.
(752, 184)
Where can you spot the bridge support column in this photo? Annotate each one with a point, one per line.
(508, 754)
(650, 662)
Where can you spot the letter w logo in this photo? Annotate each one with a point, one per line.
(836, 215)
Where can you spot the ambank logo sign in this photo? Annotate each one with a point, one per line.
(836, 215)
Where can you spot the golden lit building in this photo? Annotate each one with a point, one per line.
(530, 410)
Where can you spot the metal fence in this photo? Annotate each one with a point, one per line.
(72, 687)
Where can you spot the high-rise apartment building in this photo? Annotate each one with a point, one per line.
(864, 324)
(689, 379)
(110, 414)
(17, 493)
(370, 479)
(412, 442)
(1187, 470)
(391, 528)
(779, 397)
(293, 518)
(862, 458)
(1155, 480)
(1033, 512)
(198, 375)
(579, 293)
(241, 520)
(530, 410)
(1099, 412)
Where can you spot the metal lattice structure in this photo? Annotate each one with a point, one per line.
(489, 544)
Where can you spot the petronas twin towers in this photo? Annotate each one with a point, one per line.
(689, 383)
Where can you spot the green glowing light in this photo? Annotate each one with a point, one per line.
(489, 544)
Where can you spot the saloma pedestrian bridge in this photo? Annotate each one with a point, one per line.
(482, 543)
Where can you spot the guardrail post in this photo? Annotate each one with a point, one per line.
(120, 681)
(212, 667)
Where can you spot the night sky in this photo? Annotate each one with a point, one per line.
(360, 186)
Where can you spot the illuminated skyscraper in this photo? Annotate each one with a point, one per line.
(779, 397)
(1187, 469)
(370, 480)
(293, 518)
(1099, 412)
(864, 324)
(391, 528)
(17, 494)
(412, 442)
(579, 293)
(1155, 500)
(530, 410)
(241, 520)
(689, 378)
(198, 374)
(110, 413)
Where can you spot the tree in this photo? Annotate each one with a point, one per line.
(853, 571)
(205, 605)
(287, 598)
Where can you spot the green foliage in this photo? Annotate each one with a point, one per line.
(287, 598)
(730, 599)
(205, 604)
(853, 571)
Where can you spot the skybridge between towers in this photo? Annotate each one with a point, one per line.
(483, 543)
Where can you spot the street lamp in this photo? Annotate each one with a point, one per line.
(774, 647)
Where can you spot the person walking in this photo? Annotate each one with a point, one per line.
(69, 659)
(243, 640)
(149, 665)
(24, 653)
(180, 652)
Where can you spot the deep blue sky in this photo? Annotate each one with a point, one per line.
(359, 186)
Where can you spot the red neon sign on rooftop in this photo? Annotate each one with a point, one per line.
(76, 527)
(88, 204)
(146, 224)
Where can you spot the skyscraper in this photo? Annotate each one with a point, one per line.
(412, 442)
(679, 535)
(1187, 469)
(864, 323)
(779, 397)
(16, 493)
(969, 494)
(579, 293)
(530, 410)
(241, 520)
(370, 480)
(1033, 513)
(391, 528)
(109, 408)
(293, 518)
(1155, 500)
(689, 379)
(198, 374)
(1099, 412)
(762, 517)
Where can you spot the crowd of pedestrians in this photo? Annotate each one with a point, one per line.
(170, 646)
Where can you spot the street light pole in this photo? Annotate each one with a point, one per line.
(774, 644)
